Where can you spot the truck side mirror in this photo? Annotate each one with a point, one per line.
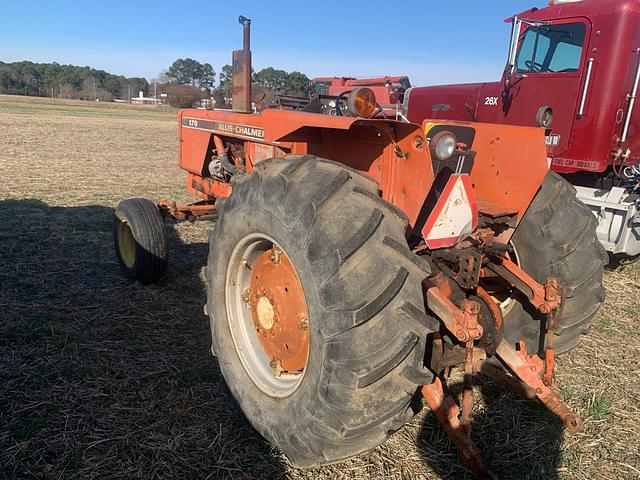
(516, 27)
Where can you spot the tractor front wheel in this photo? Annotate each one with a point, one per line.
(316, 309)
(140, 240)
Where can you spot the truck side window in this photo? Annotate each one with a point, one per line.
(566, 58)
(551, 48)
(533, 51)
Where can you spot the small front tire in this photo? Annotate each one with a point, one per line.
(140, 240)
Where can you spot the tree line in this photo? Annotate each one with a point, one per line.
(67, 81)
(184, 83)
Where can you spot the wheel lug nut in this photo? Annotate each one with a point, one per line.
(246, 295)
(276, 364)
(275, 254)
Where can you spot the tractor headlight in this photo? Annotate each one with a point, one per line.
(443, 145)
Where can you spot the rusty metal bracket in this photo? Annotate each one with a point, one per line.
(545, 298)
(553, 293)
(194, 211)
(464, 324)
(457, 321)
(447, 413)
(548, 299)
(530, 370)
(502, 377)
(471, 311)
(531, 376)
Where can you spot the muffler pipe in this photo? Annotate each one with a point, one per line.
(241, 68)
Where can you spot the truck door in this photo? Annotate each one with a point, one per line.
(549, 71)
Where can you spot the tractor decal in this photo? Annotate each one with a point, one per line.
(223, 127)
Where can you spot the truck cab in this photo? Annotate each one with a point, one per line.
(573, 68)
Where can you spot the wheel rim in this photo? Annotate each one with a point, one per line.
(267, 315)
(126, 244)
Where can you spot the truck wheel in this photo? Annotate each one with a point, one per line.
(316, 308)
(140, 240)
(557, 238)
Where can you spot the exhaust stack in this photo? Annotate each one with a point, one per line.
(241, 68)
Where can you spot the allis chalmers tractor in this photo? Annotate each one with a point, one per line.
(356, 260)
(574, 69)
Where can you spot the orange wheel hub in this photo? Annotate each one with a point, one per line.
(279, 311)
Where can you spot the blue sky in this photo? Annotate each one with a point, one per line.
(432, 42)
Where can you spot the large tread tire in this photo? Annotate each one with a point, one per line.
(140, 218)
(368, 323)
(557, 238)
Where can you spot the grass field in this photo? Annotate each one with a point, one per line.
(102, 378)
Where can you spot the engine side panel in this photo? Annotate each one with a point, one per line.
(394, 154)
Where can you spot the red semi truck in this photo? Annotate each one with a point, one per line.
(573, 68)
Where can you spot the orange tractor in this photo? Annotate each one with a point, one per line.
(356, 260)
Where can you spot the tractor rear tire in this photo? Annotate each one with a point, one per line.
(140, 240)
(367, 323)
(557, 238)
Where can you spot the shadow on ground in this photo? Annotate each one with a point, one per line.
(517, 438)
(100, 377)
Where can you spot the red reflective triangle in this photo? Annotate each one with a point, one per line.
(454, 215)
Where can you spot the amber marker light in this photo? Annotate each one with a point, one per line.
(362, 102)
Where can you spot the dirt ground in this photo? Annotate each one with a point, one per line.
(102, 378)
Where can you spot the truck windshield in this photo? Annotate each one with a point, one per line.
(551, 48)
